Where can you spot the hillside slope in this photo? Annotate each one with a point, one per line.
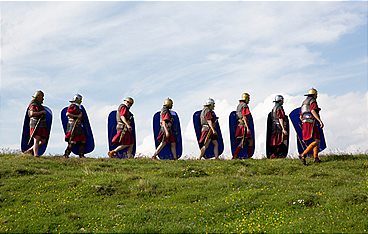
(51, 194)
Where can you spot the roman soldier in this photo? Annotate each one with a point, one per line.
(208, 132)
(242, 133)
(166, 134)
(309, 115)
(37, 123)
(278, 130)
(75, 132)
(124, 136)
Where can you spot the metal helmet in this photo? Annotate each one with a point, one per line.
(312, 92)
(77, 99)
(279, 98)
(130, 100)
(245, 97)
(209, 102)
(37, 94)
(168, 102)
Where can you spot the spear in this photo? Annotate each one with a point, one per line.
(209, 134)
(301, 142)
(122, 133)
(72, 131)
(34, 131)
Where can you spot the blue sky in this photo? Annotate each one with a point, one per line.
(187, 51)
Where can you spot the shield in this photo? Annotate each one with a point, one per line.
(26, 130)
(90, 143)
(197, 127)
(166, 151)
(111, 132)
(233, 123)
(284, 150)
(302, 145)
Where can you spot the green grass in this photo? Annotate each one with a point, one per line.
(51, 194)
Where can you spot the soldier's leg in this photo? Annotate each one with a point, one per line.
(36, 145)
(203, 149)
(130, 151)
(173, 150)
(159, 148)
(315, 152)
(282, 150)
(273, 151)
(215, 148)
(29, 151)
(278, 151)
(112, 153)
(250, 147)
(120, 147)
(42, 142)
(309, 148)
(81, 149)
(68, 150)
(239, 147)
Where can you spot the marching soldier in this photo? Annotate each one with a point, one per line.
(37, 123)
(242, 133)
(166, 134)
(208, 132)
(124, 136)
(278, 130)
(309, 114)
(74, 133)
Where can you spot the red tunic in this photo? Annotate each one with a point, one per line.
(78, 135)
(310, 130)
(241, 129)
(209, 116)
(41, 132)
(277, 136)
(166, 116)
(128, 138)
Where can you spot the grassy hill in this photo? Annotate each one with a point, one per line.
(51, 194)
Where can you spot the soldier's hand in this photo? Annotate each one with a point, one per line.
(248, 131)
(167, 134)
(129, 128)
(214, 132)
(284, 132)
(321, 124)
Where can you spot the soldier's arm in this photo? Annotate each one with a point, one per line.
(163, 124)
(246, 123)
(245, 111)
(281, 121)
(211, 124)
(70, 115)
(318, 118)
(33, 113)
(125, 121)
